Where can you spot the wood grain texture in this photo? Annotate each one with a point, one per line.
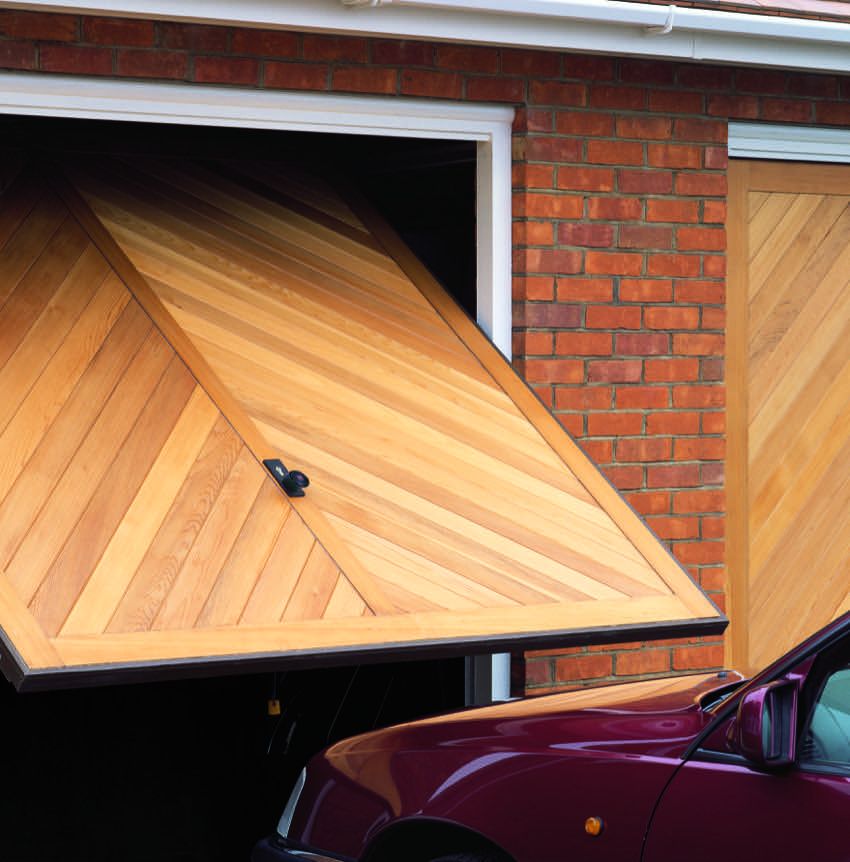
(334, 635)
(737, 391)
(166, 325)
(789, 404)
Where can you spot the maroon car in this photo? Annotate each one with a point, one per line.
(698, 767)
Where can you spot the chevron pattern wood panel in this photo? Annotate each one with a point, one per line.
(797, 403)
(127, 501)
(167, 330)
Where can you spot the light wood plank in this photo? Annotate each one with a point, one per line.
(442, 587)
(737, 391)
(49, 331)
(36, 288)
(314, 588)
(426, 507)
(26, 245)
(227, 343)
(58, 380)
(335, 634)
(800, 351)
(106, 508)
(772, 476)
(375, 308)
(254, 212)
(121, 558)
(64, 495)
(246, 562)
(507, 571)
(345, 601)
(664, 564)
(815, 496)
(300, 396)
(764, 219)
(25, 493)
(274, 587)
(22, 629)
(825, 232)
(223, 398)
(817, 179)
(212, 298)
(129, 217)
(596, 551)
(174, 540)
(194, 582)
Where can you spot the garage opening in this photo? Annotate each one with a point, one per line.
(197, 769)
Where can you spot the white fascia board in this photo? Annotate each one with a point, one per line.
(597, 26)
(786, 142)
(202, 104)
(489, 125)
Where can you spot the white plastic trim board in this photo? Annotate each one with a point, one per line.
(786, 142)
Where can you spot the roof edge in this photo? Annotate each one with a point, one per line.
(591, 26)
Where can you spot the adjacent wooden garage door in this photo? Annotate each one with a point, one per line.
(166, 327)
(789, 404)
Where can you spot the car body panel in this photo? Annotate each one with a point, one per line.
(564, 758)
(661, 764)
(797, 815)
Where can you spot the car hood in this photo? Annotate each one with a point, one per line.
(657, 717)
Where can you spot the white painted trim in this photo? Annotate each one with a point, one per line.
(793, 143)
(489, 126)
(600, 26)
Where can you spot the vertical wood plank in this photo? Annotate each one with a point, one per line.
(212, 547)
(245, 564)
(737, 459)
(345, 602)
(173, 542)
(49, 331)
(314, 588)
(138, 527)
(108, 505)
(66, 494)
(36, 288)
(24, 493)
(26, 245)
(273, 589)
(49, 393)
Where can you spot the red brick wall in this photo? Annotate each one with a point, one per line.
(619, 240)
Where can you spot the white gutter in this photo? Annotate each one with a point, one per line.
(597, 26)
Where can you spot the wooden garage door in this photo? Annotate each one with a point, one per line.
(166, 327)
(789, 404)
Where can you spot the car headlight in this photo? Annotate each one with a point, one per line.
(286, 818)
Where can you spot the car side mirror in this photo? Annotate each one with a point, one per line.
(765, 728)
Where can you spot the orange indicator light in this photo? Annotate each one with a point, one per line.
(594, 825)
